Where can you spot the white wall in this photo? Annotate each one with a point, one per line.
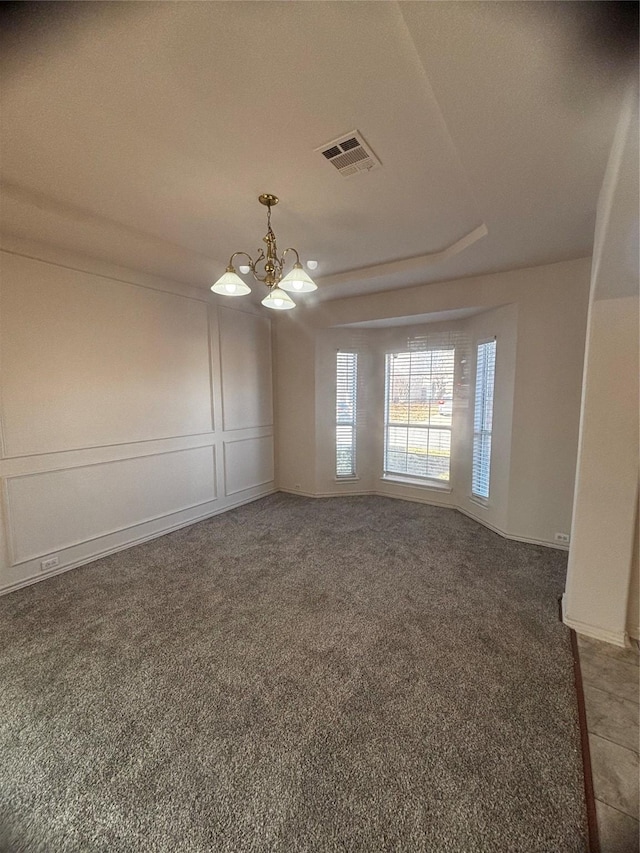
(539, 318)
(130, 406)
(328, 343)
(599, 580)
(501, 323)
(294, 372)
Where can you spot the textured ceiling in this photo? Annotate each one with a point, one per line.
(143, 133)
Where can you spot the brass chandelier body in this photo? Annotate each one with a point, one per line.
(272, 273)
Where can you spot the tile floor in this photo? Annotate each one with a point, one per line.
(610, 679)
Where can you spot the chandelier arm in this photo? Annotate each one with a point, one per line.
(235, 254)
(260, 257)
(290, 249)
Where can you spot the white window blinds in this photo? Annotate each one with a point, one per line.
(346, 405)
(418, 413)
(483, 419)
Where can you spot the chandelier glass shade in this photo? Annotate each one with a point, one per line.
(267, 268)
(278, 299)
(230, 284)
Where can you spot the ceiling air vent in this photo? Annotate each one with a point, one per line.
(350, 154)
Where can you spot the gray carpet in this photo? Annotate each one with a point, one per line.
(348, 674)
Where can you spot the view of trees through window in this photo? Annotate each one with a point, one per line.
(418, 413)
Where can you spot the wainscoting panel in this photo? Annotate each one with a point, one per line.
(129, 407)
(245, 354)
(248, 462)
(89, 361)
(55, 510)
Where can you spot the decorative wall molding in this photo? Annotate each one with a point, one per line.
(12, 538)
(264, 480)
(15, 466)
(90, 447)
(75, 262)
(100, 365)
(83, 561)
(255, 381)
(97, 496)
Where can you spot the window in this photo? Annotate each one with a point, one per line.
(483, 419)
(346, 395)
(418, 413)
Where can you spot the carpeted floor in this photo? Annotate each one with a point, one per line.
(348, 674)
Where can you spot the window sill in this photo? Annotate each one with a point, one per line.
(346, 479)
(433, 485)
(481, 502)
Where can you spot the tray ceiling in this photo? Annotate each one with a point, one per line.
(143, 133)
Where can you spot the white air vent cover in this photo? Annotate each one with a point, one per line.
(349, 154)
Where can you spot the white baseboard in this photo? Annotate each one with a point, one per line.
(360, 492)
(616, 638)
(85, 560)
(337, 494)
(415, 499)
(505, 535)
(428, 499)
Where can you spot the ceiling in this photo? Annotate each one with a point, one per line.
(142, 134)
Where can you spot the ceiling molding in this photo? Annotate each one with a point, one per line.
(416, 319)
(487, 117)
(406, 264)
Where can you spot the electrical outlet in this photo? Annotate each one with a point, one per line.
(562, 538)
(297, 486)
(51, 563)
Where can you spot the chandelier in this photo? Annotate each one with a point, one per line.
(295, 281)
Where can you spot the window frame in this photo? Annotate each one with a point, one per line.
(420, 480)
(341, 421)
(479, 435)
